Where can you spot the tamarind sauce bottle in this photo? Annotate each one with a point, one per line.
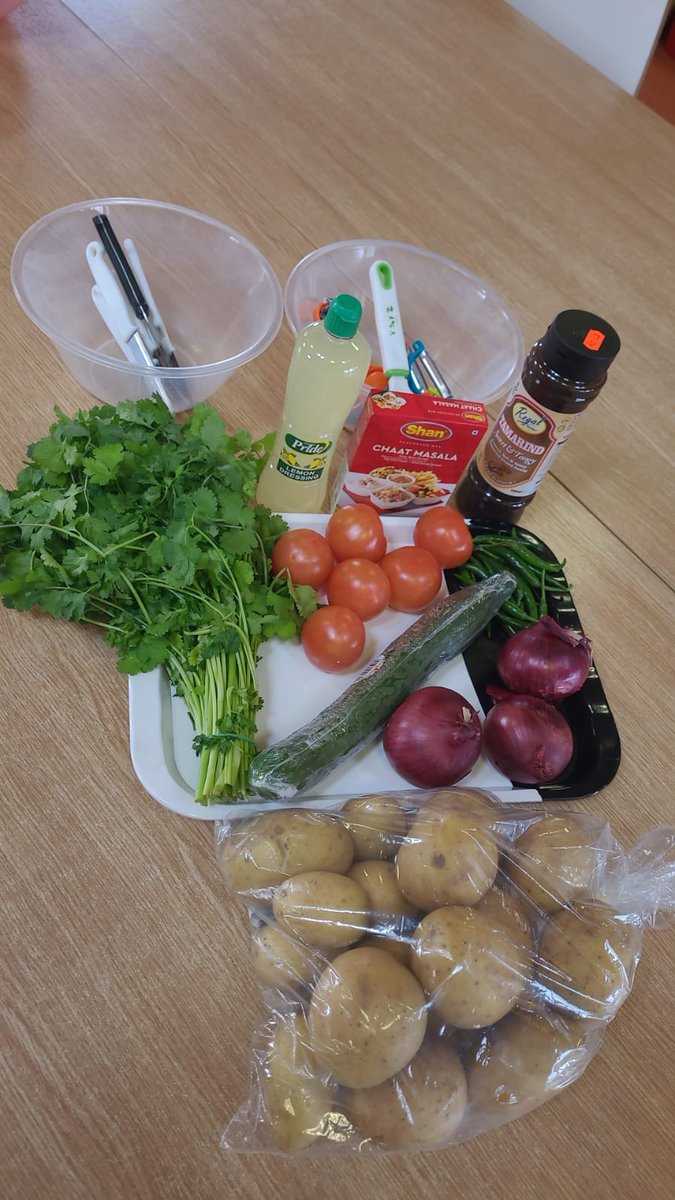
(563, 373)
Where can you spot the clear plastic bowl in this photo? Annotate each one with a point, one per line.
(465, 325)
(218, 296)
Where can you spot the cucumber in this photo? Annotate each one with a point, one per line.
(361, 712)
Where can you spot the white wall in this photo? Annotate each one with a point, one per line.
(616, 36)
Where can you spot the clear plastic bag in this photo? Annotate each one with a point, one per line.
(433, 964)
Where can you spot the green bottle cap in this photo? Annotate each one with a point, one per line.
(343, 316)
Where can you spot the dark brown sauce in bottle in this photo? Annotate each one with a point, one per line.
(563, 373)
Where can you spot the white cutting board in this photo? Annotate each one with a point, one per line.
(293, 691)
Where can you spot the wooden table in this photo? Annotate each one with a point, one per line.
(128, 997)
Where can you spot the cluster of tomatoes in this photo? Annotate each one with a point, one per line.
(362, 577)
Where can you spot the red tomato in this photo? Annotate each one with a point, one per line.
(445, 534)
(333, 637)
(415, 578)
(306, 556)
(356, 532)
(360, 585)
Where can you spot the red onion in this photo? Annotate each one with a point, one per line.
(433, 738)
(527, 739)
(545, 660)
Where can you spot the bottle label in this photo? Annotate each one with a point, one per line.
(302, 460)
(522, 444)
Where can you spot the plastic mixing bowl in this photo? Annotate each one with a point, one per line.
(465, 325)
(218, 296)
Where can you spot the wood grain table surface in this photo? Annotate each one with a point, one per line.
(127, 995)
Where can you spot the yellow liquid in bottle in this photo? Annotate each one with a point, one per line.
(324, 380)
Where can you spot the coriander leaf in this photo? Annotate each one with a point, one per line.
(269, 527)
(50, 562)
(208, 426)
(39, 536)
(305, 599)
(150, 497)
(63, 602)
(26, 501)
(230, 475)
(5, 502)
(15, 561)
(104, 463)
(204, 504)
(243, 573)
(225, 641)
(281, 615)
(285, 630)
(232, 509)
(48, 454)
(166, 622)
(76, 562)
(122, 533)
(71, 496)
(237, 541)
(148, 653)
(180, 575)
(68, 431)
(95, 527)
(264, 446)
(29, 477)
(147, 413)
(62, 506)
(18, 597)
(241, 440)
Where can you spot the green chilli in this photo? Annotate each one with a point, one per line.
(536, 577)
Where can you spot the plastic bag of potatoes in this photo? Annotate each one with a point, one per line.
(433, 964)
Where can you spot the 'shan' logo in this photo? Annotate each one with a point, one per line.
(426, 431)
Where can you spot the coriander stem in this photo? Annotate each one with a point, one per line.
(135, 595)
(64, 529)
(128, 545)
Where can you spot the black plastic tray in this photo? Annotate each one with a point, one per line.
(597, 748)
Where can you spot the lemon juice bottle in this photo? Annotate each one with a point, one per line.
(328, 367)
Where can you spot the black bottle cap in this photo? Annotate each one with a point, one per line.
(580, 345)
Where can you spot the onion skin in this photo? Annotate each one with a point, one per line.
(433, 738)
(527, 739)
(545, 660)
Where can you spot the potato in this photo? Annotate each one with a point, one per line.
(552, 862)
(507, 911)
(297, 1100)
(367, 1018)
(379, 882)
(422, 1105)
(448, 857)
(263, 852)
(324, 909)
(377, 825)
(281, 962)
(439, 1028)
(462, 800)
(399, 947)
(523, 1059)
(473, 970)
(587, 957)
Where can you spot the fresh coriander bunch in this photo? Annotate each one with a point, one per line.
(125, 519)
